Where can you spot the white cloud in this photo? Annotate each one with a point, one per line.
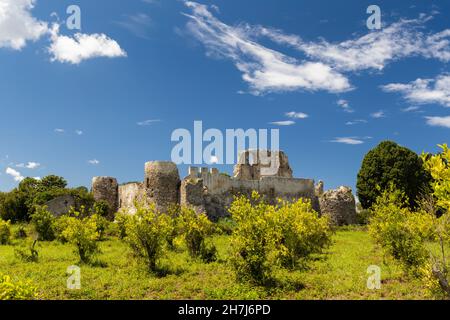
(15, 174)
(79, 132)
(283, 123)
(268, 70)
(370, 51)
(82, 47)
(348, 140)
(378, 115)
(356, 121)
(94, 162)
(32, 165)
(439, 121)
(59, 130)
(345, 105)
(148, 122)
(411, 109)
(296, 115)
(264, 69)
(424, 91)
(17, 25)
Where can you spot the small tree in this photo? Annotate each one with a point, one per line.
(195, 227)
(390, 163)
(44, 223)
(146, 233)
(83, 234)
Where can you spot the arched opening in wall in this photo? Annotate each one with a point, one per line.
(148, 183)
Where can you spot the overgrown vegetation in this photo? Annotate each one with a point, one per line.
(268, 236)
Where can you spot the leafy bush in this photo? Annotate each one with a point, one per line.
(14, 206)
(268, 236)
(390, 163)
(27, 254)
(301, 232)
(21, 232)
(194, 228)
(147, 232)
(400, 232)
(102, 225)
(16, 290)
(83, 234)
(121, 222)
(5, 232)
(44, 223)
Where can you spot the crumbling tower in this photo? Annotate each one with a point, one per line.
(106, 189)
(254, 164)
(162, 184)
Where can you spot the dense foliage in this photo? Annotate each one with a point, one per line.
(146, 233)
(16, 290)
(82, 232)
(387, 164)
(20, 203)
(194, 228)
(268, 236)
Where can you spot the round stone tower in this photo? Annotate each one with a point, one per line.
(106, 189)
(162, 184)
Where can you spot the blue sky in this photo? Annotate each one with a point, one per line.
(104, 99)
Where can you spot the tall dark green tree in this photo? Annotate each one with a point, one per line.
(390, 163)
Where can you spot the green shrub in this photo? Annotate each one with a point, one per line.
(102, 225)
(121, 222)
(83, 234)
(59, 226)
(5, 232)
(194, 228)
(301, 232)
(400, 232)
(43, 222)
(268, 236)
(16, 290)
(101, 208)
(147, 232)
(21, 232)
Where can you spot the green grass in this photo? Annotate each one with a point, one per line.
(340, 273)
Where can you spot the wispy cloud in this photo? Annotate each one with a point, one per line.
(411, 109)
(438, 121)
(17, 176)
(264, 69)
(296, 115)
(59, 130)
(94, 162)
(283, 123)
(344, 104)
(148, 122)
(378, 115)
(424, 91)
(356, 121)
(348, 140)
(29, 165)
(79, 132)
(138, 24)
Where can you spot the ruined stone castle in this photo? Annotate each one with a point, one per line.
(211, 192)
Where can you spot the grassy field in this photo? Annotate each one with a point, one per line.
(338, 274)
